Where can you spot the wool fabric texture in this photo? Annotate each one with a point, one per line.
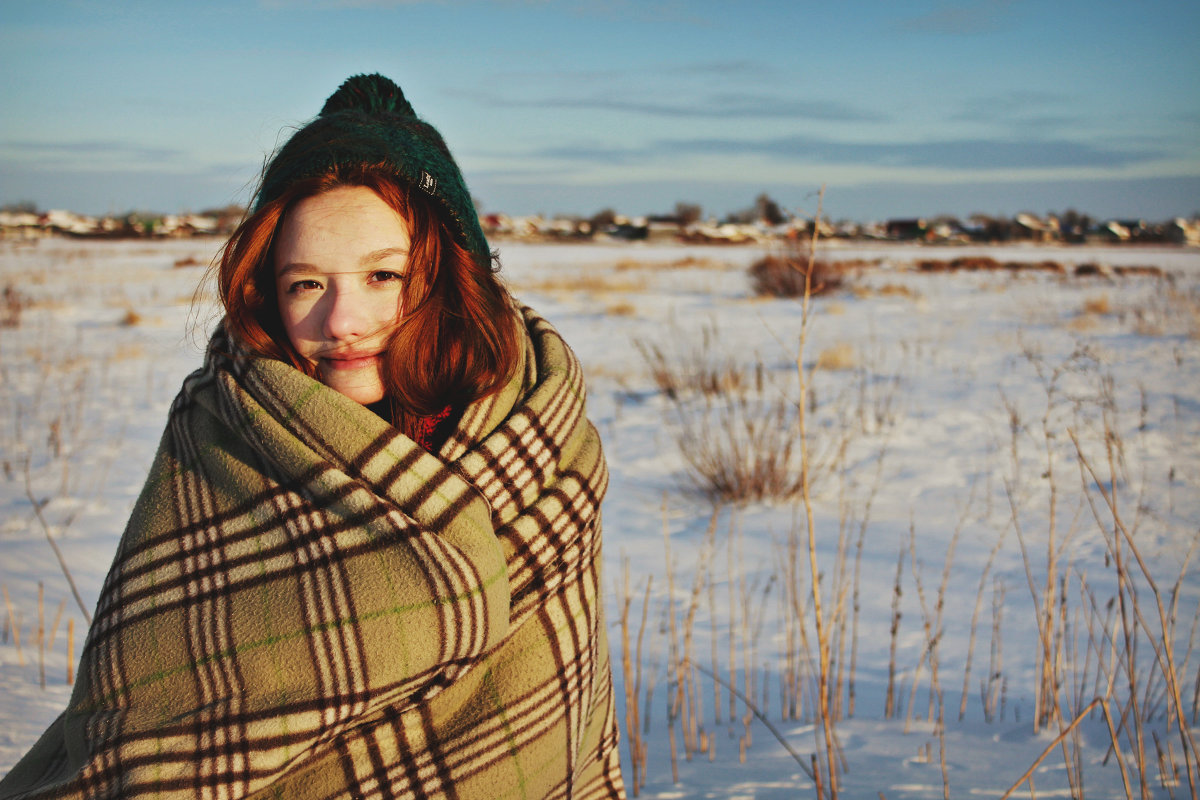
(306, 604)
(368, 121)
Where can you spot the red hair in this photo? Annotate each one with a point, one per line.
(456, 341)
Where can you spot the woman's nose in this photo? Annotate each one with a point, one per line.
(346, 316)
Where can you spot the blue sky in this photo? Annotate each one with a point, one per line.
(917, 108)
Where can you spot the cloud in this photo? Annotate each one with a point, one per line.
(623, 76)
(596, 154)
(723, 69)
(963, 19)
(739, 105)
(1020, 118)
(91, 149)
(946, 154)
(974, 154)
(1003, 107)
(731, 105)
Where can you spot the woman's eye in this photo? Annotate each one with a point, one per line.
(379, 276)
(301, 286)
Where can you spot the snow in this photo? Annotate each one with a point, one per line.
(942, 435)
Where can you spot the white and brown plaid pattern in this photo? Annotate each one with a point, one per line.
(305, 604)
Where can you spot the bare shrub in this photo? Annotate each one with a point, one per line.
(1139, 269)
(1041, 266)
(973, 263)
(986, 263)
(735, 420)
(695, 367)
(11, 306)
(787, 276)
(1090, 269)
(743, 448)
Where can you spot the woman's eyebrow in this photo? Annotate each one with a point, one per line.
(296, 266)
(376, 256)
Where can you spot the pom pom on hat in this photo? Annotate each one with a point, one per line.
(371, 94)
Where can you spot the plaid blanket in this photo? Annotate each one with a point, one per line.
(306, 604)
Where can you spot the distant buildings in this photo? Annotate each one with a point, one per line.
(684, 226)
(34, 225)
(1025, 227)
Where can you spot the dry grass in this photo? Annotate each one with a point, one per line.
(1082, 323)
(621, 308)
(1088, 317)
(1183, 309)
(1122, 652)
(1167, 311)
(1097, 305)
(128, 351)
(686, 262)
(840, 356)
(1123, 658)
(585, 283)
(986, 264)
(1152, 328)
(886, 290)
(39, 637)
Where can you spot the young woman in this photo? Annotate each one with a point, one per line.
(366, 561)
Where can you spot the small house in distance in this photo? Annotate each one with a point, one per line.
(906, 229)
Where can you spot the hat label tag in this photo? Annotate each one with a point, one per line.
(427, 182)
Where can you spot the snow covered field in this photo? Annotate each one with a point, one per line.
(941, 408)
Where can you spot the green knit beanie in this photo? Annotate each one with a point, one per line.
(367, 121)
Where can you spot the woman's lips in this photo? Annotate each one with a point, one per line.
(349, 362)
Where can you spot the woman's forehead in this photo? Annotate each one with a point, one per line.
(341, 229)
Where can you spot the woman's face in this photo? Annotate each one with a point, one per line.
(340, 264)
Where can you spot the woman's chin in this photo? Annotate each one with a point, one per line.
(363, 390)
(362, 396)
